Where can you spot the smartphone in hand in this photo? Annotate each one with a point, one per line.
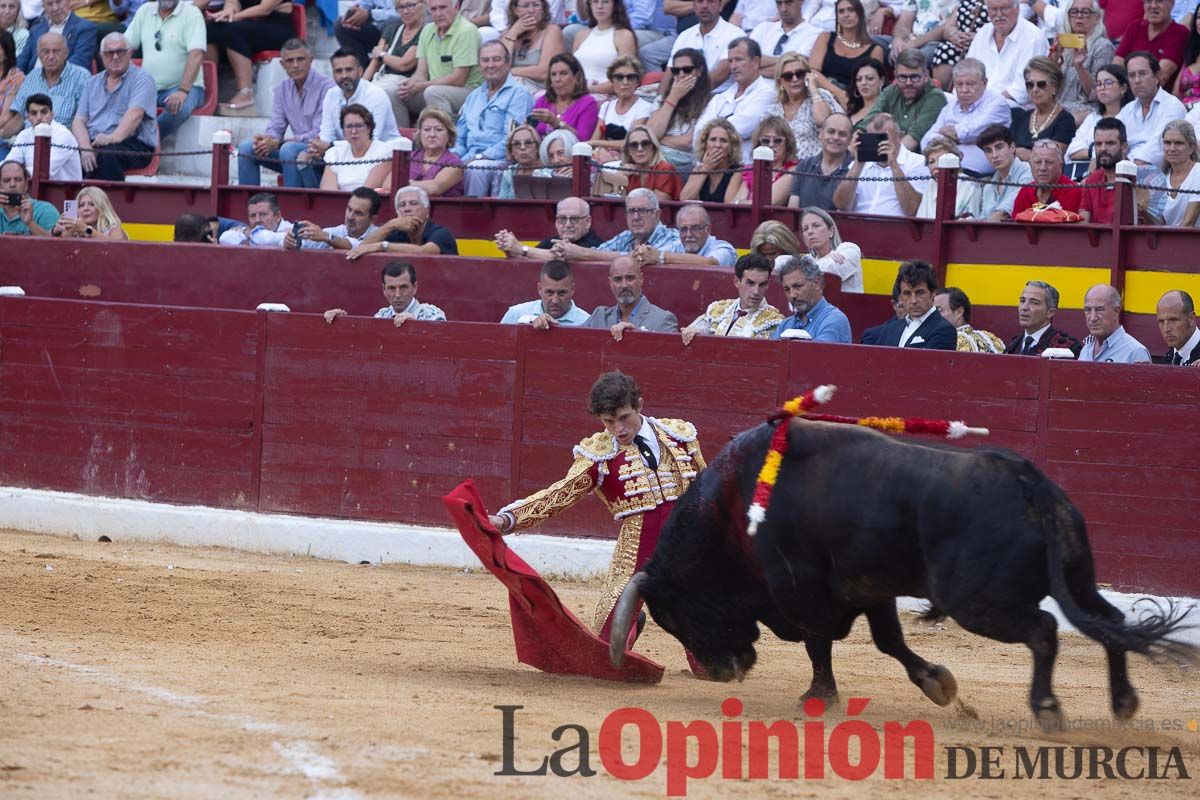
(868, 147)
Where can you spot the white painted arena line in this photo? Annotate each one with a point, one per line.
(300, 756)
(67, 514)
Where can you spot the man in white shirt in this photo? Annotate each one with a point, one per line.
(64, 149)
(744, 103)
(821, 13)
(1151, 108)
(362, 209)
(899, 194)
(788, 34)
(351, 88)
(267, 226)
(972, 108)
(712, 36)
(1005, 46)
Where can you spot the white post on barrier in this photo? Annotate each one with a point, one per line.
(760, 194)
(581, 169)
(11, 291)
(273, 308)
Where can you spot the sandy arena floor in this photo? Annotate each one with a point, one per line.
(140, 671)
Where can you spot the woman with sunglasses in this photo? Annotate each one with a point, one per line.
(641, 152)
(869, 82)
(836, 55)
(1047, 119)
(801, 103)
(608, 32)
(360, 159)
(620, 113)
(772, 132)
(566, 104)
(1113, 93)
(1084, 18)
(674, 123)
(394, 59)
(522, 149)
(533, 41)
(718, 174)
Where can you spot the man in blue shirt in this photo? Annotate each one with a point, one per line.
(644, 218)
(116, 124)
(555, 304)
(804, 284)
(28, 217)
(1108, 340)
(486, 116)
(696, 243)
(57, 78)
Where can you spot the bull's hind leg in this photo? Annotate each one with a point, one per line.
(1038, 630)
(823, 687)
(1124, 696)
(934, 680)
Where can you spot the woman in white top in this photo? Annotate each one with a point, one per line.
(608, 37)
(348, 160)
(834, 256)
(1182, 171)
(1112, 93)
(967, 192)
(619, 115)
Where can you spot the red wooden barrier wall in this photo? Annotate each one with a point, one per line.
(360, 420)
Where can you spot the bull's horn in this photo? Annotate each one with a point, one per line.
(623, 617)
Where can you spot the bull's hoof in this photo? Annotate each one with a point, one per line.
(938, 684)
(1125, 704)
(826, 694)
(1049, 714)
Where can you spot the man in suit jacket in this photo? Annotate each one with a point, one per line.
(923, 327)
(1035, 311)
(1177, 323)
(79, 33)
(871, 335)
(633, 310)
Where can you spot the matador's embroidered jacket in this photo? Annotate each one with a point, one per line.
(639, 499)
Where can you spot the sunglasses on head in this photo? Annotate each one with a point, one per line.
(677, 71)
(1036, 84)
(791, 76)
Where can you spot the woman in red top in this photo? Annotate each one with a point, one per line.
(643, 152)
(775, 133)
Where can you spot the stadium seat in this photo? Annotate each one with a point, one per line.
(408, 133)
(527, 187)
(299, 25)
(151, 169)
(209, 107)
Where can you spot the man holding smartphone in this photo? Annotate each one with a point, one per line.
(20, 214)
(888, 170)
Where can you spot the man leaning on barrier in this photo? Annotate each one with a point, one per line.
(644, 217)
(362, 207)
(400, 291)
(556, 301)
(573, 221)
(411, 232)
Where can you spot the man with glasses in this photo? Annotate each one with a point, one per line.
(1151, 108)
(57, 78)
(696, 246)
(644, 218)
(912, 100)
(1158, 34)
(58, 18)
(744, 103)
(115, 124)
(1005, 46)
(972, 109)
(1107, 340)
(487, 115)
(790, 33)
(749, 315)
(573, 223)
(172, 38)
(350, 88)
(712, 36)
(1046, 164)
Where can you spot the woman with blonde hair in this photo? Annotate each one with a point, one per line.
(1180, 165)
(434, 167)
(621, 112)
(801, 102)
(533, 40)
(521, 148)
(641, 152)
(718, 176)
(95, 218)
(772, 132)
(773, 239)
(824, 243)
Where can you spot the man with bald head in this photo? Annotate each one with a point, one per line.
(572, 222)
(1177, 323)
(696, 243)
(1107, 340)
(79, 34)
(56, 77)
(632, 310)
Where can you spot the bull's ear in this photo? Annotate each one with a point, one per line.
(623, 614)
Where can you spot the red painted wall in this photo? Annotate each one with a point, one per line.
(358, 419)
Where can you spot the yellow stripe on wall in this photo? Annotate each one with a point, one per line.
(145, 232)
(1001, 284)
(1142, 289)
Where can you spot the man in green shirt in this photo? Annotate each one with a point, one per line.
(26, 217)
(172, 37)
(447, 63)
(912, 101)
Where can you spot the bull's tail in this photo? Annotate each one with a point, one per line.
(1067, 550)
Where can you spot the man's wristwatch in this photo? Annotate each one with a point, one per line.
(384, 245)
(524, 251)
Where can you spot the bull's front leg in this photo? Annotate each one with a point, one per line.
(824, 687)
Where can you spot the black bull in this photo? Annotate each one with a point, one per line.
(857, 519)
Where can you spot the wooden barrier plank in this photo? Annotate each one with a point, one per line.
(1121, 384)
(1140, 481)
(1131, 416)
(1160, 450)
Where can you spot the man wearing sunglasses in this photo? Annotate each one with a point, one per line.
(115, 124)
(790, 33)
(912, 100)
(172, 38)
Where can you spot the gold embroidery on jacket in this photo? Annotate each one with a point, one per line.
(620, 570)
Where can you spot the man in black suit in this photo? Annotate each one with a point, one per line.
(1177, 323)
(922, 327)
(871, 335)
(1035, 311)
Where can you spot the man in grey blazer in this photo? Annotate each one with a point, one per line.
(633, 310)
